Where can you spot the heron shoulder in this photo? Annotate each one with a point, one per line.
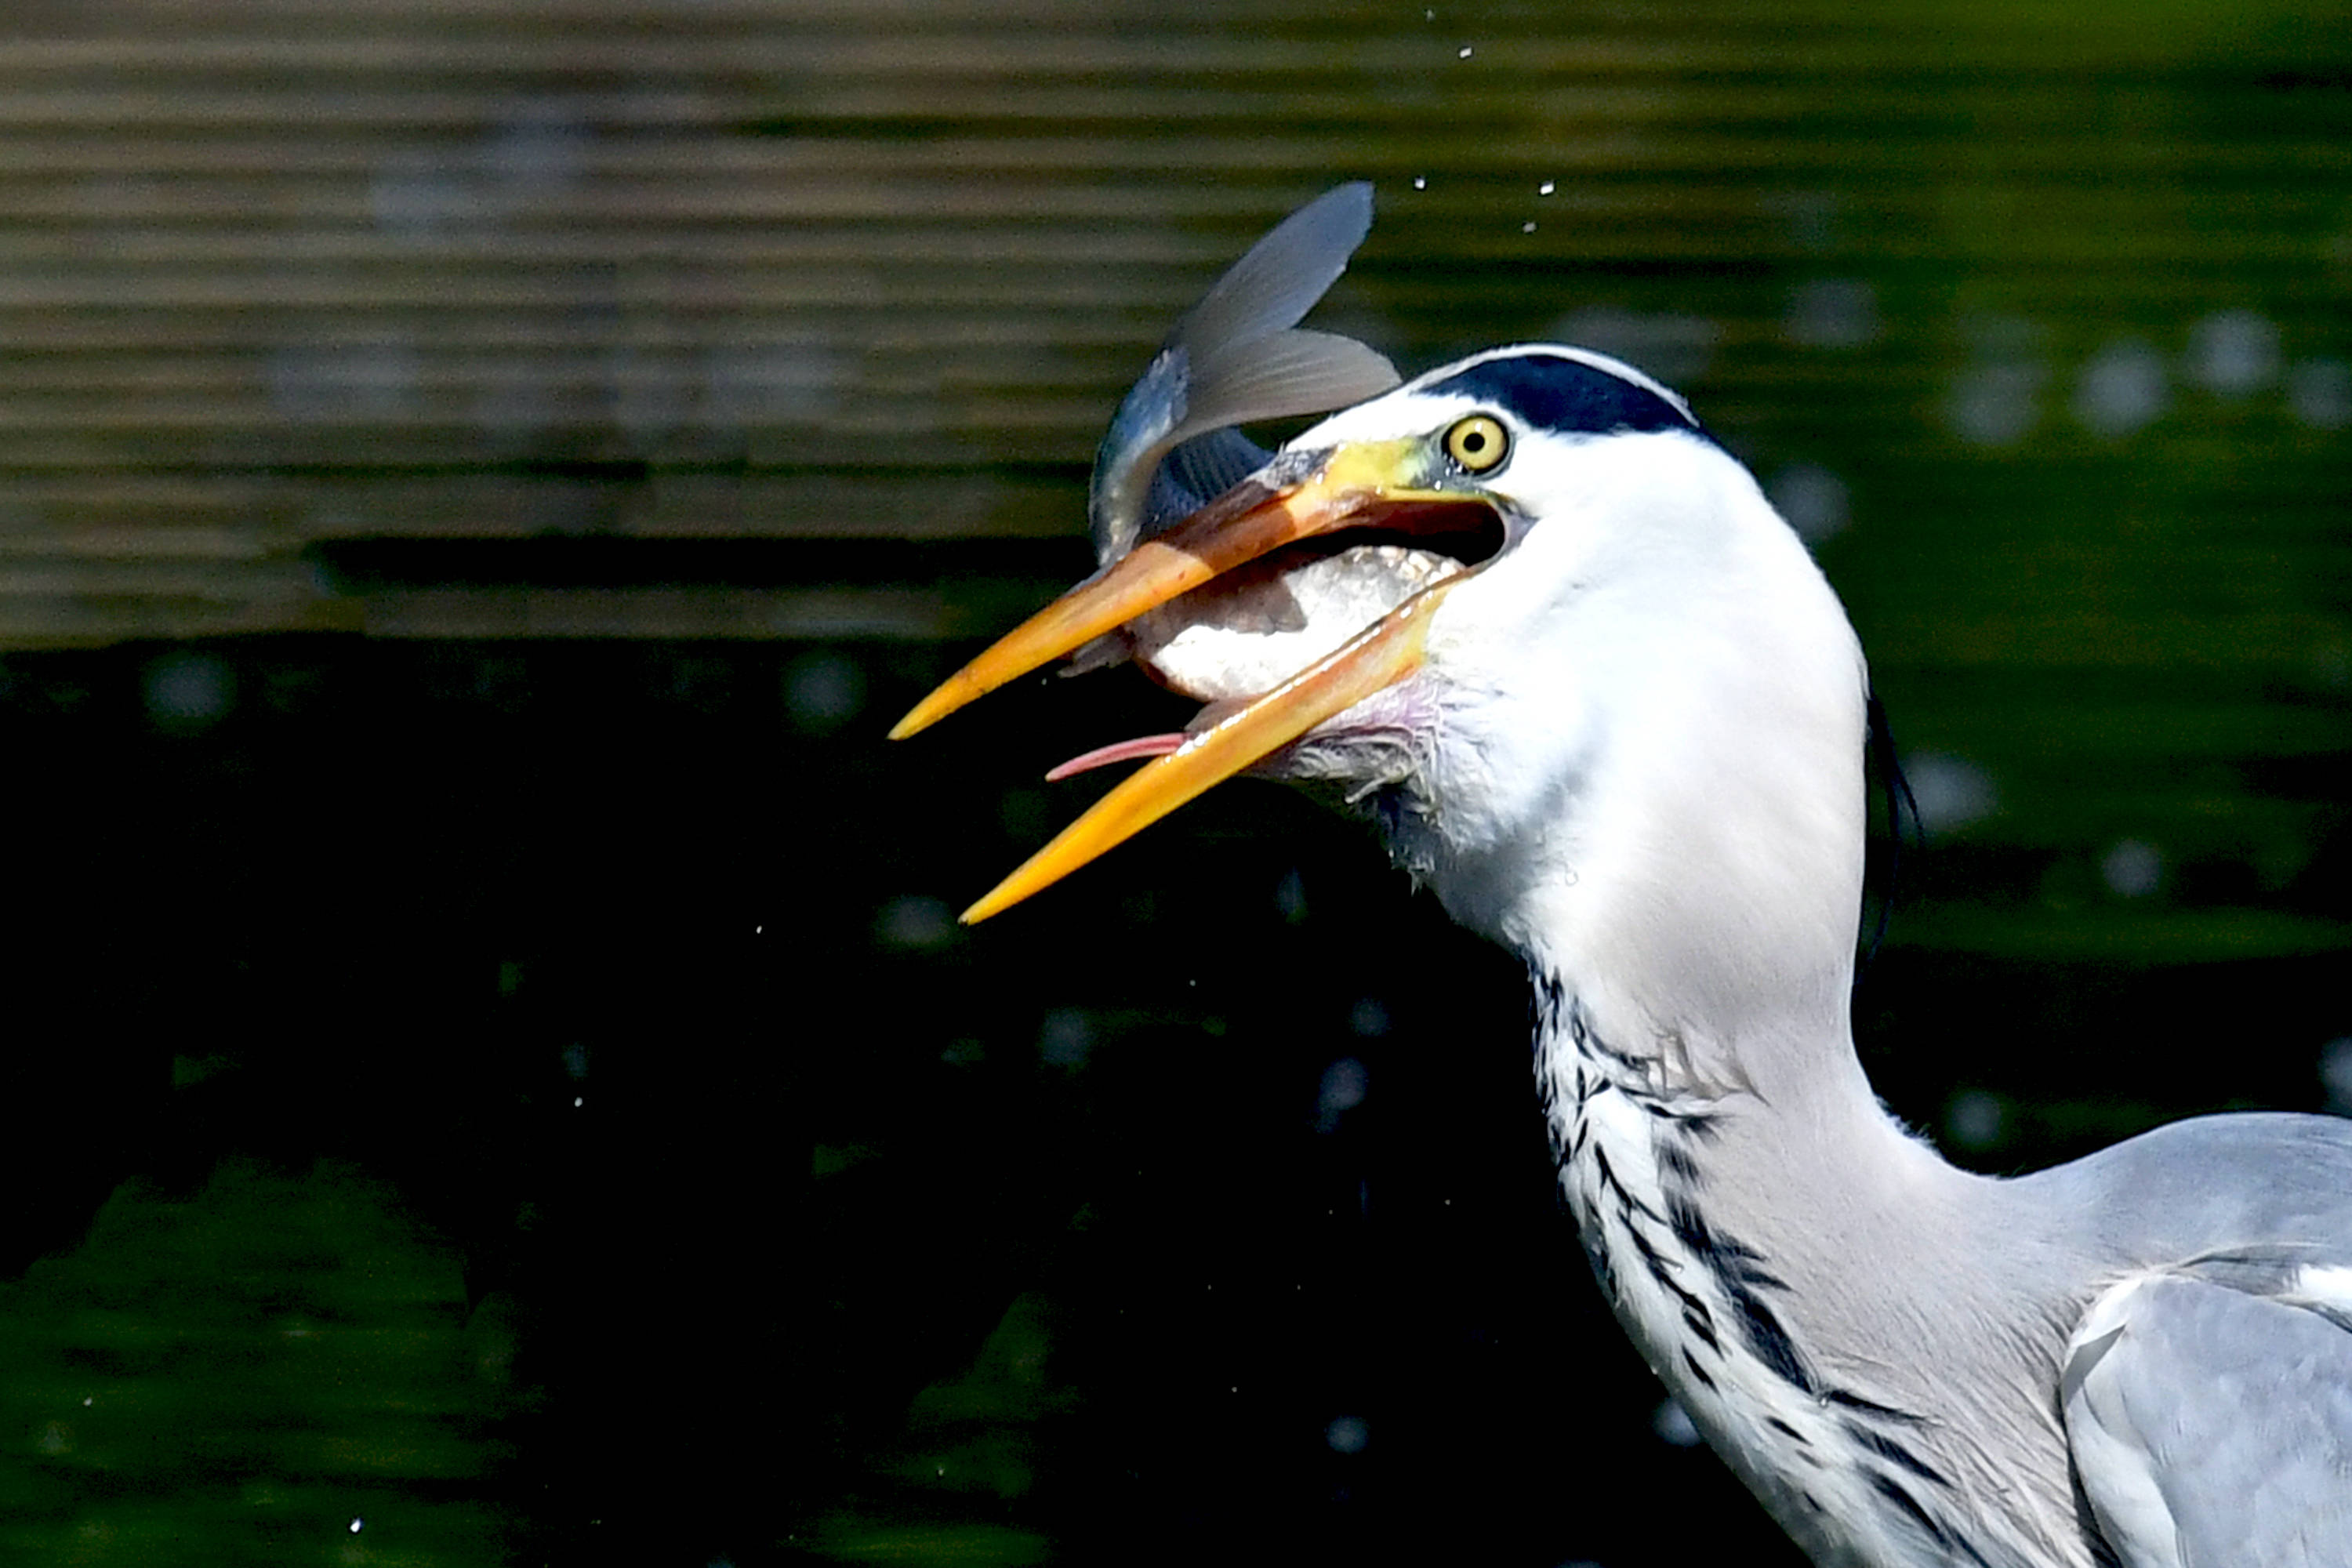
(2211, 1423)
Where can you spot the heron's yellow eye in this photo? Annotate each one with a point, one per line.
(1477, 443)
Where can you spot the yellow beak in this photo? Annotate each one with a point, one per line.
(1290, 499)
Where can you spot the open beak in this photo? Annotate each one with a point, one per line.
(1294, 498)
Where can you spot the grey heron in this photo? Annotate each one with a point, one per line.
(1603, 704)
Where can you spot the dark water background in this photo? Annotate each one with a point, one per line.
(485, 1097)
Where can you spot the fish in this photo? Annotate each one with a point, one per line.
(1238, 356)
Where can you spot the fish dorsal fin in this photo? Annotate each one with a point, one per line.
(1236, 356)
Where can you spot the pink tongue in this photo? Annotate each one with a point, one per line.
(1122, 751)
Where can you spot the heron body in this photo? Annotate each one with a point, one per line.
(1606, 707)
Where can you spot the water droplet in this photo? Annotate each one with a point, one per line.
(2122, 389)
(2233, 352)
(2133, 869)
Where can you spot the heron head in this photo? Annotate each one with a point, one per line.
(1473, 601)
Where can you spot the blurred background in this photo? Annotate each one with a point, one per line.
(495, 1073)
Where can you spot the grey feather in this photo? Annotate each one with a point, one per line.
(2226, 1195)
(2213, 1428)
(1235, 357)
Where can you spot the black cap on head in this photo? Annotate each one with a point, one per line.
(1547, 390)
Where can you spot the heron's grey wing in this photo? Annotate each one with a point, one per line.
(2211, 1425)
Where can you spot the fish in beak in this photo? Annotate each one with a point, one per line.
(1297, 509)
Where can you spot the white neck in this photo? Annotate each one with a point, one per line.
(1671, 836)
(1658, 794)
